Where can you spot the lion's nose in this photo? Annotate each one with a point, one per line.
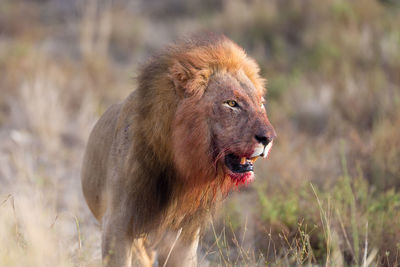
(267, 138)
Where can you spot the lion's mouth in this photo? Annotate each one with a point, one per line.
(238, 164)
(241, 168)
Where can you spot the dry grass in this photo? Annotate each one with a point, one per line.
(329, 195)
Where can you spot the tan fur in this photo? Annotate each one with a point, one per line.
(154, 163)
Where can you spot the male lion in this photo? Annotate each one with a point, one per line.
(156, 164)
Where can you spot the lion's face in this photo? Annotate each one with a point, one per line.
(220, 126)
(239, 127)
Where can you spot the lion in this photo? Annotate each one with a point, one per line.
(157, 164)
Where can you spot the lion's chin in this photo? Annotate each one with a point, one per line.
(243, 178)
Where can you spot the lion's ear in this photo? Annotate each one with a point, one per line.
(188, 79)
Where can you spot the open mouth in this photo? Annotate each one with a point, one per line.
(241, 168)
(238, 164)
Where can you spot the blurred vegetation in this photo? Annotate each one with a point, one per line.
(330, 192)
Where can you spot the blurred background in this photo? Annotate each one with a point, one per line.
(328, 195)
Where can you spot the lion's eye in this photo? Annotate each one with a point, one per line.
(232, 103)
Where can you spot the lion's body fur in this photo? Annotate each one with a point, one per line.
(148, 161)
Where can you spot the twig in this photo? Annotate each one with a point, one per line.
(11, 198)
(324, 220)
(76, 224)
(172, 247)
(345, 233)
(366, 246)
(218, 245)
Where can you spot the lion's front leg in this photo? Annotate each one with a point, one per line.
(179, 252)
(116, 242)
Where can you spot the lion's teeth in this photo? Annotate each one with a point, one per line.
(253, 159)
(243, 160)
